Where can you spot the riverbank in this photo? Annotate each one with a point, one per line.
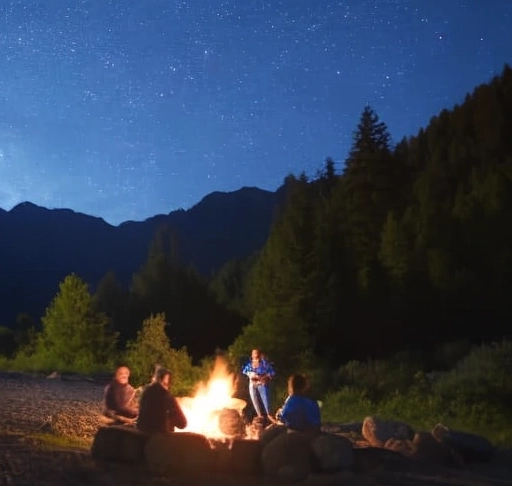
(39, 414)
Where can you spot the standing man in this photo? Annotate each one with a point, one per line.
(259, 371)
(159, 411)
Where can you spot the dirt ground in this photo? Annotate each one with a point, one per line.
(31, 406)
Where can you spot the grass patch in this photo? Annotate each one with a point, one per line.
(52, 442)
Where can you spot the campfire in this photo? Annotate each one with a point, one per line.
(213, 411)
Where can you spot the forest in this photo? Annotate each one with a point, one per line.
(388, 283)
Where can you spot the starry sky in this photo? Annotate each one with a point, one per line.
(124, 109)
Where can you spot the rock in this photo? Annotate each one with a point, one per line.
(288, 456)
(239, 457)
(343, 428)
(427, 448)
(245, 457)
(470, 447)
(271, 432)
(332, 452)
(377, 459)
(377, 432)
(231, 423)
(178, 453)
(404, 447)
(119, 443)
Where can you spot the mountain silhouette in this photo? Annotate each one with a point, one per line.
(40, 246)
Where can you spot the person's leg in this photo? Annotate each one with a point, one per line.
(265, 397)
(253, 392)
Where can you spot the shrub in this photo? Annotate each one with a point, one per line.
(152, 347)
(346, 405)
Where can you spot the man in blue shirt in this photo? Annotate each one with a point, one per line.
(260, 372)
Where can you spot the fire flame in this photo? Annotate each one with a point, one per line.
(203, 409)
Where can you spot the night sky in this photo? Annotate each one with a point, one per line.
(124, 109)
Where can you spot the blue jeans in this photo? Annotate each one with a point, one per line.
(260, 391)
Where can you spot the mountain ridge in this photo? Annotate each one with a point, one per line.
(40, 246)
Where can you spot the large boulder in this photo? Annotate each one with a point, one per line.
(271, 432)
(470, 447)
(239, 457)
(119, 443)
(343, 428)
(427, 448)
(405, 447)
(332, 453)
(377, 460)
(178, 453)
(377, 431)
(288, 456)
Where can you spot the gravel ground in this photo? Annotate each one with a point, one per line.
(71, 406)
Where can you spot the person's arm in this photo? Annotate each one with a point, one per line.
(286, 411)
(269, 372)
(175, 413)
(247, 368)
(108, 402)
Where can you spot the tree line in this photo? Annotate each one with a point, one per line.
(407, 247)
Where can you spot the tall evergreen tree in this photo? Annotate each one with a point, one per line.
(280, 291)
(369, 193)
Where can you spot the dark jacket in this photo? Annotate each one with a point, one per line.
(118, 398)
(159, 411)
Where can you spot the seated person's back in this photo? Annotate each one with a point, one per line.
(119, 397)
(159, 410)
(300, 412)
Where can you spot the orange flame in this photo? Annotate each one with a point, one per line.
(202, 410)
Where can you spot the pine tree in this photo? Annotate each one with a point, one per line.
(74, 335)
(369, 193)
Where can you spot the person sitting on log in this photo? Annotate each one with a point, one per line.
(120, 398)
(160, 411)
(299, 412)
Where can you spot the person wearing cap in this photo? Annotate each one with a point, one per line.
(119, 398)
(159, 411)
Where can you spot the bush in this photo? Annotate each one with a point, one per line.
(484, 375)
(473, 397)
(346, 405)
(152, 347)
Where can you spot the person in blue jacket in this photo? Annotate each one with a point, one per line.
(299, 412)
(259, 371)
